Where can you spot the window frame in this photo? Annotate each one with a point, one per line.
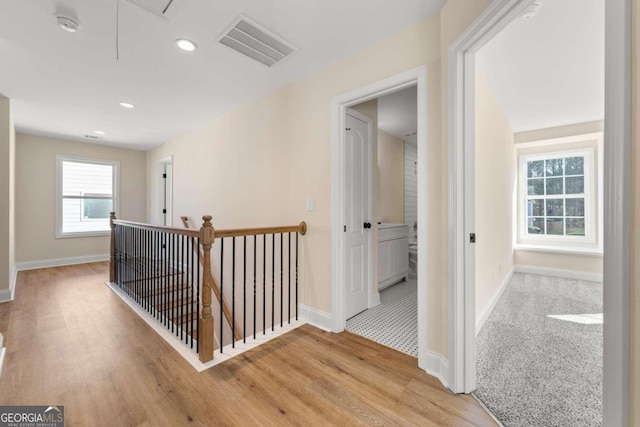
(59, 234)
(589, 146)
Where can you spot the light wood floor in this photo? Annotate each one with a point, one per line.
(72, 342)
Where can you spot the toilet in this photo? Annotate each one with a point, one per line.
(413, 260)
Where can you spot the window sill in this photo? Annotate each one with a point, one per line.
(83, 234)
(564, 250)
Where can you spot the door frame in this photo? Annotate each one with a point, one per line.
(161, 164)
(416, 76)
(461, 295)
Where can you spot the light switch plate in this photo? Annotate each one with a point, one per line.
(311, 204)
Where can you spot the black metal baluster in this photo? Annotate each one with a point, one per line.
(281, 279)
(198, 299)
(181, 284)
(273, 281)
(297, 234)
(244, 289)
(289, 279)
(264, 284)
(194, 255)
(174, 292)
(255, 237)
(221, 293)
(233, 294)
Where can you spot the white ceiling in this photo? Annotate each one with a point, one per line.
(398, 113)
(549, 71)
(68, 85)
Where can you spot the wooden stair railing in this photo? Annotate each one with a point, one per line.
(215, 287)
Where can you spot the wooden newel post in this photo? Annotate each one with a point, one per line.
(112, 252)
(205, 328)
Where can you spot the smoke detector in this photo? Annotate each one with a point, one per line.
(68, 24)
(532, 10)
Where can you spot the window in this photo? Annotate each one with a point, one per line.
(86, 195)
(558, 198)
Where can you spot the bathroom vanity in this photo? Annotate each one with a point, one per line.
(393, 254)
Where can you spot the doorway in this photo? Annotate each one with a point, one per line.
(391, 318)
(339, 271)
(616, 201)
(164, 208)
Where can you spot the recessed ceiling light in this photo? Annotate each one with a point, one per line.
(100, 132)
(187, 45)
(127, 105)
(68, 24)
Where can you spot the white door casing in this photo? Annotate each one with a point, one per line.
(358, 212)
(413, 77)
(461, 310)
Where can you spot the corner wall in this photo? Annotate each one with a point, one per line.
(36, 193)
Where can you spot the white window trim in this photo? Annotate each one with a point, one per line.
(589, 145)
(59, 234)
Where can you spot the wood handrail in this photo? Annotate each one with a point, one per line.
(216, 288)
(235, 232)
(173, 230)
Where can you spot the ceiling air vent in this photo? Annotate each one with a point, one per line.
(162, 8)
(250, 39)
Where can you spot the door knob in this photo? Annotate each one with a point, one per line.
(367, 225)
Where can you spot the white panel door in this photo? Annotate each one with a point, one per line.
(358, 206)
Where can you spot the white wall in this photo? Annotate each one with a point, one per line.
(36, 192)
(494, 187)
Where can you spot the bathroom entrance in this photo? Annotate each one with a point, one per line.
(391, 317)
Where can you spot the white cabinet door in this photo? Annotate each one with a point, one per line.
(383, 261)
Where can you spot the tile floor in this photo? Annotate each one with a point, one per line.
(394, 322)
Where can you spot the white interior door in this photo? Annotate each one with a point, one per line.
(358, 213)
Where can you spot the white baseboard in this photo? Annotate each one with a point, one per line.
(486, 311)
(7, 295)
(3, 352)
(438, 366)
(556, 272)
(31, 265)
(315, 317)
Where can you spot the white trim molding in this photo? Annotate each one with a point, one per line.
(461, 131)
(437, 366)
(491, 304)
(7, 295)
(59, 262)
(558, 272)
(414, 77)
(315, 317)
(617, 206)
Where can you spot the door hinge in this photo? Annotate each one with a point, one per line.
(472, 238)
(164, 211)
(164, 175)
(345, 228)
